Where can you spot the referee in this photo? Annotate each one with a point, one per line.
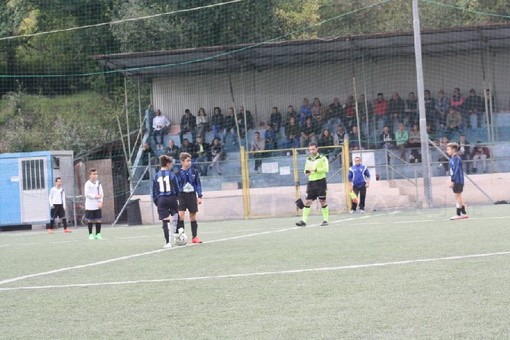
(316, 168)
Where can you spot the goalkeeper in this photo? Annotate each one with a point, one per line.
(316, 168)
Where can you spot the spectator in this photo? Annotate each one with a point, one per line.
(308, 133)
(188, 124)
(292, 134)
(217, 122)
(442, 107)
(480, 155)
(356, 140)
(430, 108)
(276, 120)
(401, 139)
(414, 143)
(258, 145)
(216, 155)
(387, 138)
(202, 123)
(464, 152)
(229, 124)
(397, 109)
(271, 138)
(381, 110)
(249, 118)
(340, 135)
(200, 155)
(411, 109)
(453, 122)
(334, 114)
(291, 113)
(326, 142)
(475, 108)
(305, 111)
(186, 146)
(457, 102)
(160, 125)
(318, 109)
(172, 150)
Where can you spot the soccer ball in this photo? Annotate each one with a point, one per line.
(181, 239)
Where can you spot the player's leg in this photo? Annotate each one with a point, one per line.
(363, 195)
(99, 220)
(52, 220)
(354, 205)
(193, 209)
(324, 210)
(164, 216)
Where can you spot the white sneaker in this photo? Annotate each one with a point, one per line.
(361, 211)
(168, 245)
(456, 217)
(351, 212)
(180, 231)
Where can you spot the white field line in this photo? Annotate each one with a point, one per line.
(128, 257)
(283, 272)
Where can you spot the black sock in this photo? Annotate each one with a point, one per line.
(463, 210)
(52, 224)
(194, 228)
(64, 220)
(98, 228)
(166, 231)
(90, 227)
(458, 211)
(180, 224)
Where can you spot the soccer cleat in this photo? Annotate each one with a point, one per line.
(180, 231)
(168, 245)
(324, 223)
(196, 240)
(301, 224)
(50, 231)
(91, 237)
(456, 217)
(464, 216)
(98, 236)
(67, 231)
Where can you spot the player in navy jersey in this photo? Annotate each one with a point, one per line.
(189, 182)
(165, 189)
(456, 180)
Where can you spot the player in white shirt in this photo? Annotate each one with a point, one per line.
(93, 203)
(57, 201)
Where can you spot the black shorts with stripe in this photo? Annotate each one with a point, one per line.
(93, 216)
(458, 188)
(316, 189)
(188, 201)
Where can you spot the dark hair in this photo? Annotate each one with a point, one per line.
(184, 155)
(92, 170)
(313, 144)
(56, 179)
(187, 111)
(164, 160)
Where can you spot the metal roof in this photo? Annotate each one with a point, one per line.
(218, 59)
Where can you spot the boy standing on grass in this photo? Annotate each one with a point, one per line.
(57, 200)
(93, 203)
(165, 189)
(359, 181)
(189, 182)
(457, 180)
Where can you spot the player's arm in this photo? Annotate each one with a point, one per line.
(50, 198)
(198, 186)
(367, 177)
(323, 165)
(155, 190)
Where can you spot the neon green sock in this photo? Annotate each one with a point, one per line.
(306, 212)
(325, 213)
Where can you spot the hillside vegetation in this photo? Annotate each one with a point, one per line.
(77, 122)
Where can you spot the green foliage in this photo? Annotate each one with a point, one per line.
(79, 123)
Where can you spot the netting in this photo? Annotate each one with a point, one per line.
(90, 76)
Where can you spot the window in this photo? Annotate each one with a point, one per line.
(33, 174)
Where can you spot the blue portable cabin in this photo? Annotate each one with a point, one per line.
(25, 182)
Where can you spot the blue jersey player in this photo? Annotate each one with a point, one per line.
(456, 180)
(165, 189)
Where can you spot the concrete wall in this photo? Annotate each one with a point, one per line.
(382, 195)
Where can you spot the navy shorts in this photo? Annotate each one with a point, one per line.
(57, 211)
(457, 188)
(167, 206)
(188, 201)
(93, 215)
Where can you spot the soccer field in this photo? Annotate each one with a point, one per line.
(412, 274)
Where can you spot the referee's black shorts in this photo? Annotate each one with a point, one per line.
(188, 201)
(316, 189)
